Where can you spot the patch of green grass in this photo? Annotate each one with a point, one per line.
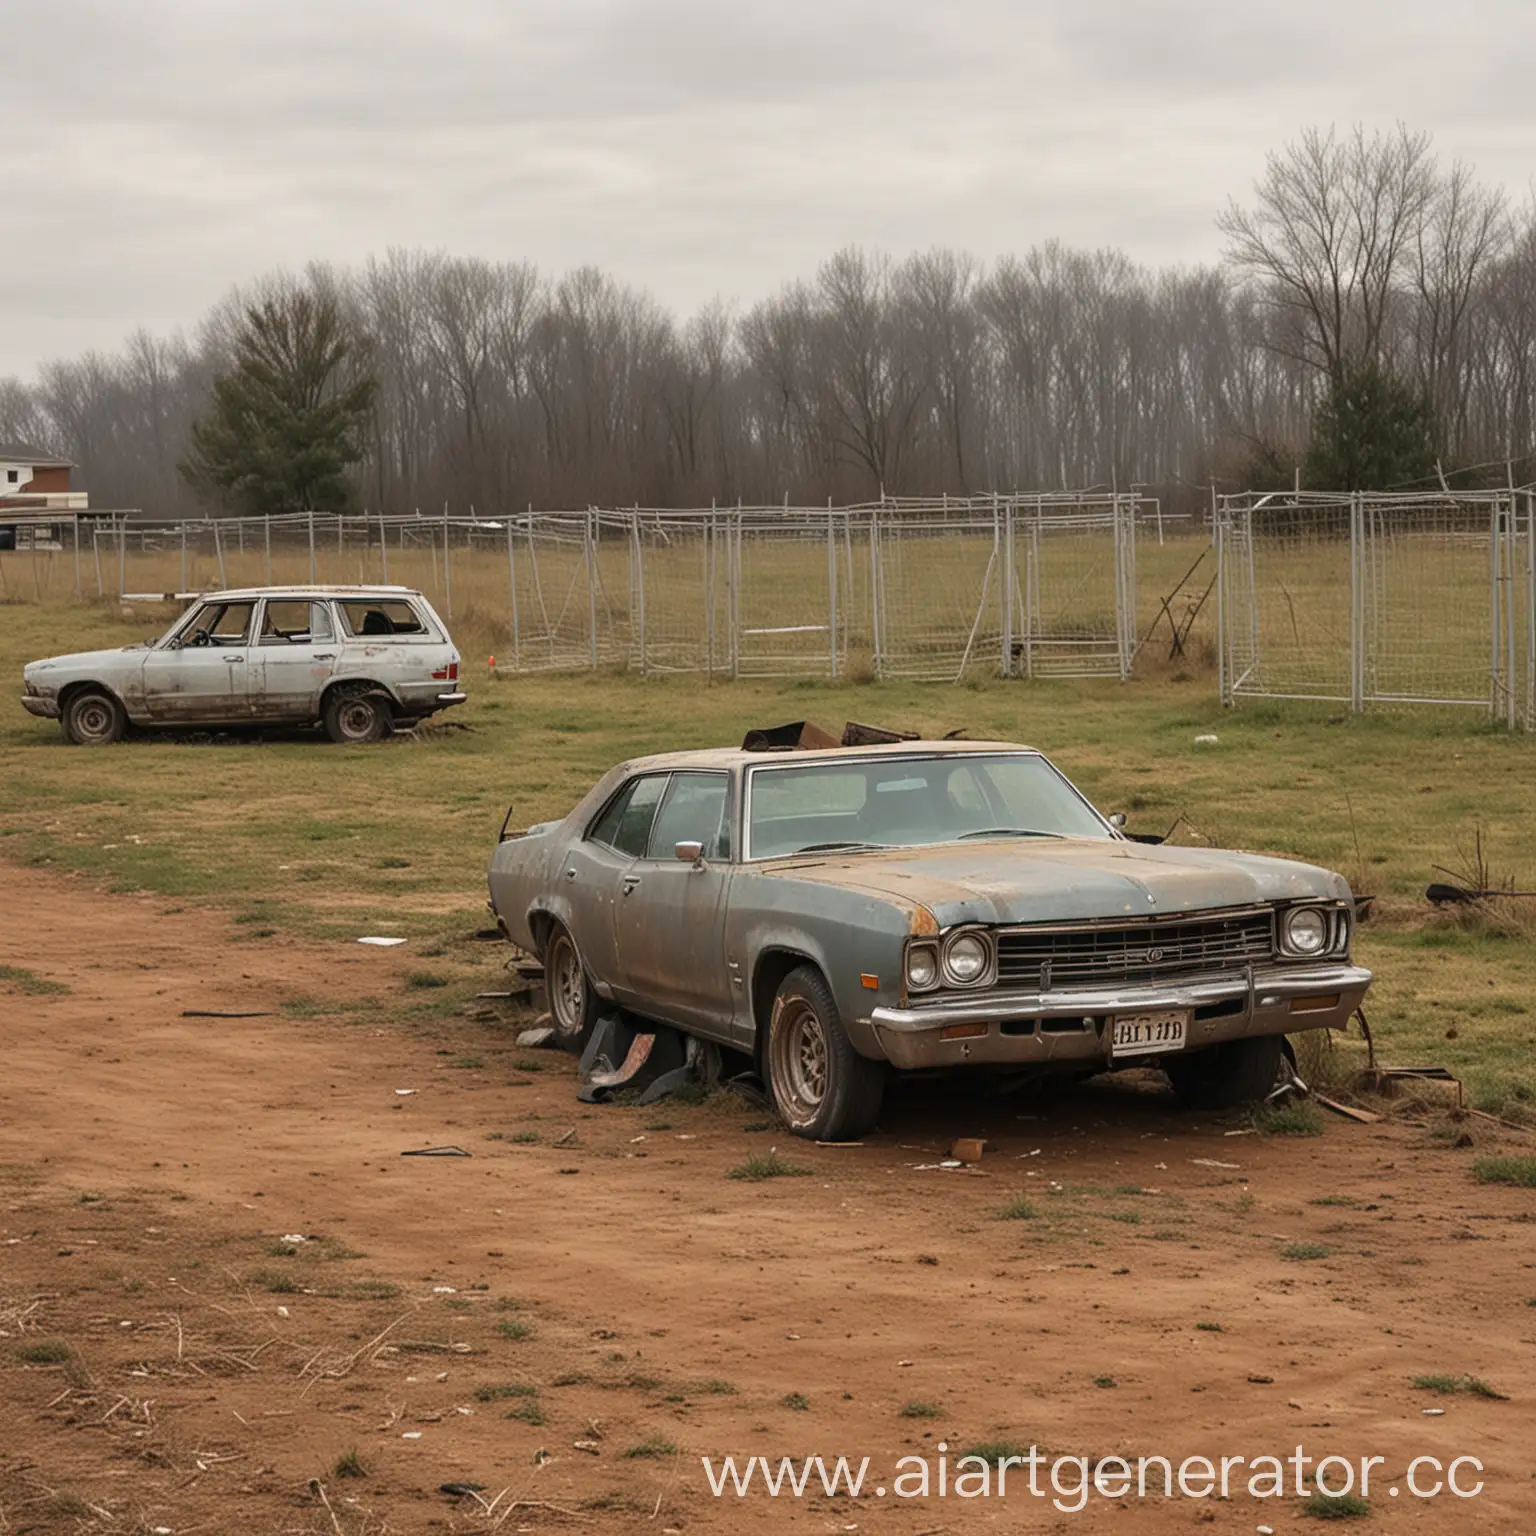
(1518, 1171)
(524, 1138)
(1105, 1381)
(1130, 1218)
(920, 1411)
(527, 1413)
(425, 981)
(653, 1447)
(658, 1125)
(995, 1451)
(797, 1401)
(529, 1064)
(468, 1063)
(1210, 1328)
(45, 1352)
(1451, 1386)
(1303, 1251)
(29, 983)
(1344, 1200)
(715, 1386)
(1016, 1208)
(514, 1329)
(1336, 1506)
(350, 1464)
(278, 1249)
(498, 1392)
(752, 1127)
(768, 1165)
(372, 1290)
(1297, 1117)
(274, 1280)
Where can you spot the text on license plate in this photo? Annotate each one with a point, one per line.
(1147, 1034)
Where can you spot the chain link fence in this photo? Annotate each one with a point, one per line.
(1026, 586)
(1380, 598)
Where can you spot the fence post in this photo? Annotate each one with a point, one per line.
(183, 526)
(874, 588)
(1356, 604)
(637, 566)
(710, 565)
(591, 588)
(383, 547)
(1008, 579)
(218, 549)
(96, 557)
(733, 585)
(312, 547)
(512, 588)
(78, 593)
(122, 555)
(1530, 611)
(447, 565)
(1218, 538)
(832, 589)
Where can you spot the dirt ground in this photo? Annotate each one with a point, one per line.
(572, 1326)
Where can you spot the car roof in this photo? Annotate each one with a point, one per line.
(311, 589)
(730, 757)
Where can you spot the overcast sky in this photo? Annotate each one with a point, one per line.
(154, 152)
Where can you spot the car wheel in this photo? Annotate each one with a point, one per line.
(1226, 1075)
(93, 719)
(822, 1088)
(573, 1005)
(355, 719)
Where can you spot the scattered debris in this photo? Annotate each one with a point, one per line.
(968, 1149)
(380, 943)
(565, 1139)
(1349, 1111)
(536, 1037)
(1383, 1080)
(437, 1152)
(458, 1490)
(215, 1013)
(1209, 739)
(404, 1092)
(1210, 1162)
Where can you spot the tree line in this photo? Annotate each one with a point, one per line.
(1373, 325)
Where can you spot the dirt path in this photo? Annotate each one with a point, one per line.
(621, 1290)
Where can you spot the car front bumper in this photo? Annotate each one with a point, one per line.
(1072, 1028)
(44, 705)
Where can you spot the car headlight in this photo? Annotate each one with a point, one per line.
(967, 959)
(922, 967)
(1305, 931)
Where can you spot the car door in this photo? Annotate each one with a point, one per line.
(294, 656)
(200, 675)
(595, 870)
(670, 918)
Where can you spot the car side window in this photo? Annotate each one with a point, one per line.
(382, 619)
(219, 624)
(295, 621)
(693, 812)
(625, 826)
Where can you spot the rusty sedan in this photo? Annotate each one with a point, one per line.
(842, 913)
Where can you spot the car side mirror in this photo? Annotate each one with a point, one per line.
(1117, 821)
(688, 853)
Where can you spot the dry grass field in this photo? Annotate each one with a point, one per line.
(572, 1316)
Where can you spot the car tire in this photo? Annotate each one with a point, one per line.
(822, 1088)
(574, 1005)
(1226, 1075)
(356, 719)
(93, 718)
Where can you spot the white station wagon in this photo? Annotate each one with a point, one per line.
(357, 659)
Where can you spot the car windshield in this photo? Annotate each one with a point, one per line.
(890, 802)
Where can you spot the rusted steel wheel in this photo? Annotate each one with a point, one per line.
(93, 718)
(573, 1005)
(822, 1088)
(355, 719)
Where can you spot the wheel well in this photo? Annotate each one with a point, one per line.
(773, 965)
(351, 685)
(74, 690)
(539, 924)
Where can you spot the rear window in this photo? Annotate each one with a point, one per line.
(382, 619)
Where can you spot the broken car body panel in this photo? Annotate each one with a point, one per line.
(1079, 926)
(267, 655)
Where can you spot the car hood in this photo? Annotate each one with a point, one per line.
(1063, 880)
(83, 660)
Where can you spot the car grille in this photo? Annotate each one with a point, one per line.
(1114, 954)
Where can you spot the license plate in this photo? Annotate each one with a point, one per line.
(1151, 1033)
